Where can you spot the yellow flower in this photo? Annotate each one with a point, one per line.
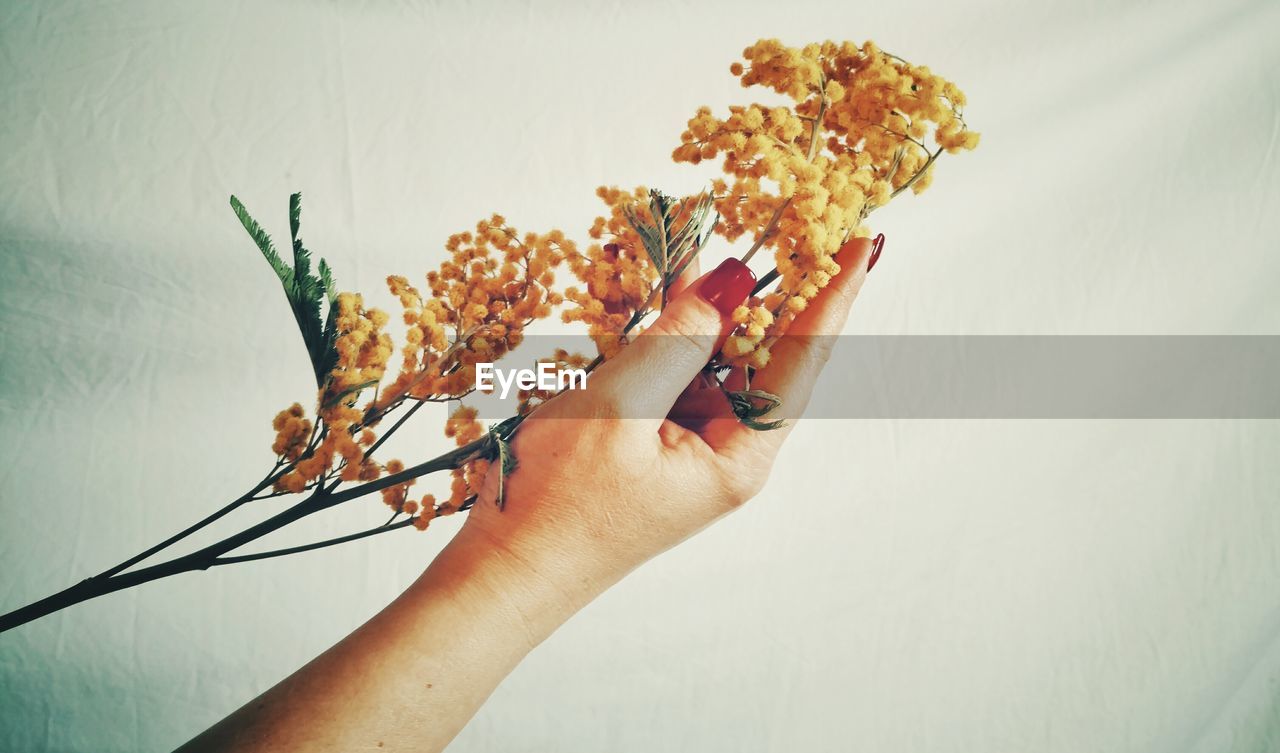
(861, 127)
(292, 432)
(802, 179)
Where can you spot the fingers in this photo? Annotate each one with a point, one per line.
(647, 377)
(690, 275)
(797, 358)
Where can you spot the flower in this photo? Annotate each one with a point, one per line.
(861, 127)
(495, 283)
(293, 431)
(618, 277)
(802, 179)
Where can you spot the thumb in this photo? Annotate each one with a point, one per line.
(647, 377)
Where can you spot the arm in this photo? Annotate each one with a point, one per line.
(411, 677)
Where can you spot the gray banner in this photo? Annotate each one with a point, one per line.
(1178, 376)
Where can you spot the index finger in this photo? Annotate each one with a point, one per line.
(647, 377)
(797, 358)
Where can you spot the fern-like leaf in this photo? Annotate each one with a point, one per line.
(264, 244)
(672, 246)
(307, 293)
(751, 405)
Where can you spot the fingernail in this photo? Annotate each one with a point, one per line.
(877, 246)
(727, 286)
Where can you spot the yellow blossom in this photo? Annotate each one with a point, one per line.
(861, 126)
(804, 178)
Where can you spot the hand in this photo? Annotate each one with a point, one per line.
(608, 477)
(611, 475)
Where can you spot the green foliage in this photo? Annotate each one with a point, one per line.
(750, 405)
(307, 293)
(507, 464)
(672, 248)
(500, 436)
(349, 392)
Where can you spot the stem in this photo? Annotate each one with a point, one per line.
(174, 538)
(767, 232)
(235, 504)
(388, 526)
(636, 317)
(91, 588)
(918, 174)
(814, 131)
(113, 580)
(769, 277)
(387, 434)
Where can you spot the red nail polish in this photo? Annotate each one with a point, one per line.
(727, 286)
(877, 246)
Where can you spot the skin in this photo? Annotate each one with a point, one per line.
(413, 675)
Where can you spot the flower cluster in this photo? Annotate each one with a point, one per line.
(293, 432)
(463, 428)
(562, 360)
(856, 127)
(361, 353)
(495, 283)
(618, 278)
(803, 178)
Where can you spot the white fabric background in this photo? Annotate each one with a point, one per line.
(908, 586)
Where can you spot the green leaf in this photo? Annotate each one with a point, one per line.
(751, 405)
(295, 216)
(306, 292)
(672, 248)
(649, 238)
(500, 435)
(507, 464)
(326, 279)
(349, 391)
(264, 243)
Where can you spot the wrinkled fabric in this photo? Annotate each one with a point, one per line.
(902, 585)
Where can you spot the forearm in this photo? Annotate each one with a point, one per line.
(412, 676)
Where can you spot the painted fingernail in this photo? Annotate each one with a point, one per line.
(727, 286)
(877, 246)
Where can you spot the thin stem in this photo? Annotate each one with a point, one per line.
(817, 122)
(387, 434)
(815, 130)
(206, 521)
(768, 231)
(919, 173)
(389, 526)
(769, 277)
(114, 580)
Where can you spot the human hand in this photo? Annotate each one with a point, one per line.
(608, 477)
(645, 457)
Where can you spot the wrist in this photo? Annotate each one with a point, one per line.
(531, 591)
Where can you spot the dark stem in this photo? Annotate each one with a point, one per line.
(387, 434)
(769, 277)
(314, 545)
(235, 504)
(113, 580)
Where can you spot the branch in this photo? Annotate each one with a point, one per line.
(234, 505)
(314, 545)
(113, 580)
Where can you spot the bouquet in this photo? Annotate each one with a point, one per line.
(855, 127)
